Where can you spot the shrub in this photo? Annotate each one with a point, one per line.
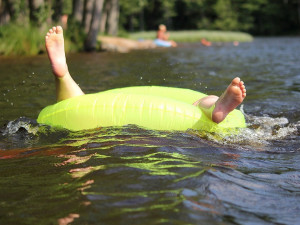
(20, 40)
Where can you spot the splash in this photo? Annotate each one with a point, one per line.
(22, 123)
(261, 132)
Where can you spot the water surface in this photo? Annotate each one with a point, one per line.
(130, 175)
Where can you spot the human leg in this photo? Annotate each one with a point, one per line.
(217, 108)
(173, 43)
(66, 87)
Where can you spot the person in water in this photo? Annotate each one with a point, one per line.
(163, 36)
(216, 108)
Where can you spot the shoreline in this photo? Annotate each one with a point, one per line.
(197, 35)
(31, 42)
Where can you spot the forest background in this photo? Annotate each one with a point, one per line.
(23, 23)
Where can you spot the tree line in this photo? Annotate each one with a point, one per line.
(86, 18)
(257, 17)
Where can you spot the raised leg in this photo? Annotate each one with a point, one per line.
(218, 108)
(66, 87)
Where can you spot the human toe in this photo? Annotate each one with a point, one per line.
(59, 30)
(236, 81)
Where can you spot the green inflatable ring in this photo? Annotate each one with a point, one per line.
(151, 107)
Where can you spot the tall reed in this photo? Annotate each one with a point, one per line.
(21, 40)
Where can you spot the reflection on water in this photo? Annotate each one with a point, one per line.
(131, 175)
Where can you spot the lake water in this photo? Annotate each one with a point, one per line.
(130, 175)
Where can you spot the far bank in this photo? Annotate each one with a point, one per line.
(15, 40)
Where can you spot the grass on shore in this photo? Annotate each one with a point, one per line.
(20, 40)
(25, 40)
(197, 35)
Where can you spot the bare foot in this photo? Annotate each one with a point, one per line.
(56, 51)
(229, 100)
(66, 87)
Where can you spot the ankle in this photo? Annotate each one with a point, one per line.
(209, 112)
(63, 78)
(218, 117)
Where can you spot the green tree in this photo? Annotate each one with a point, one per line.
(113, 18)
(132, 14)
(227, 17)
(39, 13)
(193, 14)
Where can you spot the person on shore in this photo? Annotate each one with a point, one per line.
(216, 108)
(162, 37)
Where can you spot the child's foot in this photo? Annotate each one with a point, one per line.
(229, 100)
(56, 51)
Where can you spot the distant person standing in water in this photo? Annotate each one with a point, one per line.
(66, 8)
(162, 37)
(216, 108)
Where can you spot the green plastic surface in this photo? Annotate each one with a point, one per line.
(151, 107)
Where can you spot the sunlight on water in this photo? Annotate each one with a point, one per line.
(115, 175)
